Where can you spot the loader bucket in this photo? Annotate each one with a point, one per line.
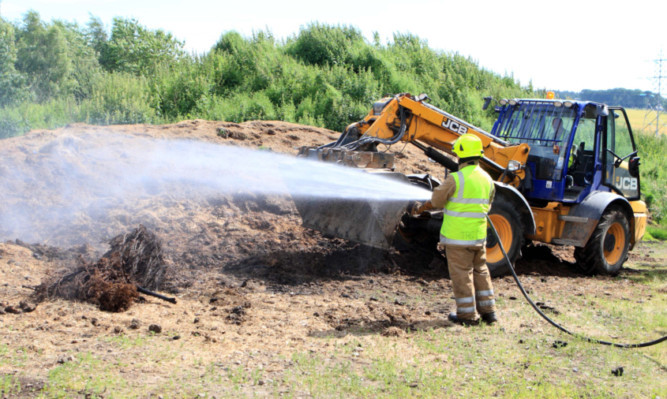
(368, 222)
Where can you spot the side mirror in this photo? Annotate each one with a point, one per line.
(633, 166)
(487, 101)
(603, 110)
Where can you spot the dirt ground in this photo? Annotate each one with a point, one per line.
(252, 285)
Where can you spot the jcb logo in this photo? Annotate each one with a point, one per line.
(454, 126)
(626, 183)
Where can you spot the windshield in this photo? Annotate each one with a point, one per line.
(537, 123)
(543, 126)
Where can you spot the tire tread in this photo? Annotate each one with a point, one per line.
(590, 258)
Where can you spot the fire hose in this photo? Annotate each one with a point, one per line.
(553, 323)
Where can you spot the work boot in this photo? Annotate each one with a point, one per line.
(489, 318)
(464, 322)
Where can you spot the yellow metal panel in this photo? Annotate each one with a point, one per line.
(544, 219)
(547, 224)
(640, 219)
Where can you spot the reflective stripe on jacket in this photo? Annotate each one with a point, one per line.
(464, 218)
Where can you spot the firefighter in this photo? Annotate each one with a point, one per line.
(466, 197)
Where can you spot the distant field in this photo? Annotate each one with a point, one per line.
(643, 120)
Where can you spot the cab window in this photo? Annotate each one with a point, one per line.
(619, 151)
(581, 162)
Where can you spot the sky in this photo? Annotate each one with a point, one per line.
(566, 45)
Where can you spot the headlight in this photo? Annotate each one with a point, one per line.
(513, 166)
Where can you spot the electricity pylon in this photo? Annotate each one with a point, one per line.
(656, 111)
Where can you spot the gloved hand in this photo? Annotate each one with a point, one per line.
(418, 208)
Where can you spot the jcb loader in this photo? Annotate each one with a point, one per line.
(567, 173)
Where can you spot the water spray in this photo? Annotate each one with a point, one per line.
(73, 180)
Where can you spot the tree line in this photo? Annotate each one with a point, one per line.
(54, 73)
(641, 99)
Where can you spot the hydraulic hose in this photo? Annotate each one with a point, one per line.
(369, 140)
(553, 323)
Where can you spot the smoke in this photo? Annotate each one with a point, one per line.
(48, 193)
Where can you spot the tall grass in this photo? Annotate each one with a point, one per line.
(653, 169)
(653, 174)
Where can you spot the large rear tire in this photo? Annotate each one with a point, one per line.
(507, 222)
(607, 249)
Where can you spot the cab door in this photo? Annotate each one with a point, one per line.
(619, 156)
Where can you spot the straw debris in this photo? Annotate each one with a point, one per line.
(135, 259)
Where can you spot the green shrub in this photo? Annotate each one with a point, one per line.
(179, 91)
(243, 65)
(118, 98)
(134, 49)
(323, 45)
(12, 123)
(12, 82)
(658, 232)
(239, 108)
(26, 116)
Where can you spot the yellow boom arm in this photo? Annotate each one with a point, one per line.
(439, 129)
